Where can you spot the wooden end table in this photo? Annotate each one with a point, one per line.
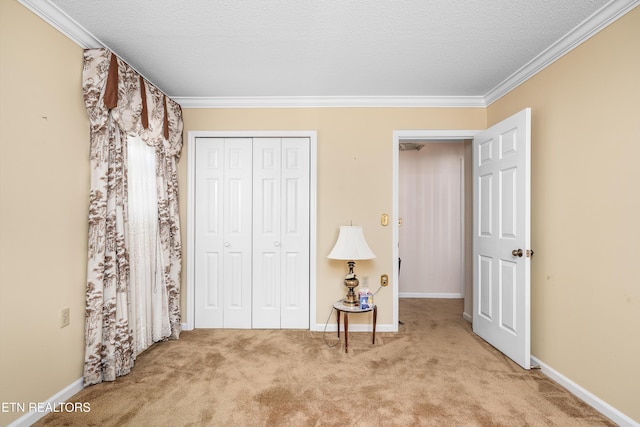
(346, 309)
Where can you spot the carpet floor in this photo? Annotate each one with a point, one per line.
(433, 372)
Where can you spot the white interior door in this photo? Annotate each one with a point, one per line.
(295, 232)
(252, 232)
(501, 236)
(209, 245)
(266, 232)
(281, 233)
(223, 230)
(237, 232)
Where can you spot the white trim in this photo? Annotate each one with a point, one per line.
(189, 245)
(430, 295)
(600, 19)
(62, 22)
(189, 316)
(313, 222)
(434, 134)
(589, 398)
(395, 217)
(330, 101)
(54, 402)
(467, 317)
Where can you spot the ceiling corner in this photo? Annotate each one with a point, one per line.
(599, 20)
(62, 22)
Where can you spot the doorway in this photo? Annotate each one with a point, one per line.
(420, 137)
(432, 205)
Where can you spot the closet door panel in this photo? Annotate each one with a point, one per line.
(237, 231)
(295, 233)
(209, 247)
(266, 232)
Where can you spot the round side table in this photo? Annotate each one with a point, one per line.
(346, 309)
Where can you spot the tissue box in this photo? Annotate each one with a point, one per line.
(366, 299)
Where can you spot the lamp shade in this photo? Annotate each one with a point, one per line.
(351, 245)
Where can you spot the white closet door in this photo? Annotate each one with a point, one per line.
(295, 233)
(237, 232)
(281, 233)
(223, 230)
(209, 245)
(267, 153)
(252, 233)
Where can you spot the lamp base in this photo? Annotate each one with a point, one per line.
(350, 303)
(351, 300)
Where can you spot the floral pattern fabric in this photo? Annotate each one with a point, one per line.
(119, 103)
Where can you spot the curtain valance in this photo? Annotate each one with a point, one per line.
(137, 106)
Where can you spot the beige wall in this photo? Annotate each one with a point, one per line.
(355, 149)
(44, 187)
(586, 212)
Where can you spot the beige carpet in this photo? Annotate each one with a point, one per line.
(434, 372)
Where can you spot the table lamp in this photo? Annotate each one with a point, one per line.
(351, 246)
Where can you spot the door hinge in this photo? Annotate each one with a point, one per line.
(529, 253)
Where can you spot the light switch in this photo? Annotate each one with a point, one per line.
(384, 220)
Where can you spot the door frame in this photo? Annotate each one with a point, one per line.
(421, 135)
(189, 316)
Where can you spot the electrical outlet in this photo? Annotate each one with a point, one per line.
(64, 317)
(384, 280)
(365, 281)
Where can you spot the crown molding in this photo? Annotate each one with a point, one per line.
(62, 22)
(600, 19)
(606, 15)
(330, 101)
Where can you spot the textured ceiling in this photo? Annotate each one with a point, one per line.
(328, 48)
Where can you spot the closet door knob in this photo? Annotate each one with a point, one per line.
(516, 252)
(227, 244)
(276, 244)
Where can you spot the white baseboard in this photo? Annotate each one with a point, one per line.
(430, 295)
(467, 317)
(53, 402)
(589, 398)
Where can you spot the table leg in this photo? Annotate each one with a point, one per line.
(338, 311)
(375, 316)
(346, 332)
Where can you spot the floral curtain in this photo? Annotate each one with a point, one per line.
(121, 103)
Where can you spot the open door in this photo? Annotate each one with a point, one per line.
(501, 236)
